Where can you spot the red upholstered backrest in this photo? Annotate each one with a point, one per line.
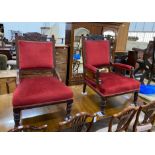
(34, 54)
(97, 52)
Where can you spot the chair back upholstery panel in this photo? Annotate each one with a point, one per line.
(97, 52)
(33, 54)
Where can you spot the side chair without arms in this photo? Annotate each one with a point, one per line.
(35, 57)
(81, 122)
(96, 57)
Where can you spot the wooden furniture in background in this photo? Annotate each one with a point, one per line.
(145, 118)
(6, 51)
(144, 61)
(61, 57)
(121, 34)
(6, 77)
(80, 122)
(124, 119)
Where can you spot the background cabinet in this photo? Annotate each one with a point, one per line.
(61, 57)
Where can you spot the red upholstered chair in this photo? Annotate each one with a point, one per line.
(38, 83)
(96, 57)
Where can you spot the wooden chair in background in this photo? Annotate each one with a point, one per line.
(145, 118)
(81, 122)
(124, 119)
(146, 62)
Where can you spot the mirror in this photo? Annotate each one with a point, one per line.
(111, 36)
(77, 66)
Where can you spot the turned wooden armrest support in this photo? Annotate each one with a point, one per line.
(94, 70)
(56, 73)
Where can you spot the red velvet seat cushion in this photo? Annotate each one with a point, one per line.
(38, 90)
(33, 54)
(116, 84)
(97, 52)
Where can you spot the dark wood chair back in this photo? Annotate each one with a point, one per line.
(81, 122)
(145, 118)
(35, 36)
(124, 118)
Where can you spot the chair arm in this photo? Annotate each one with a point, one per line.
(94, 70)
(122, 66)
(91, 68)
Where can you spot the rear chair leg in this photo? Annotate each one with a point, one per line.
(84, 89)
(16, 114)
(102, 107)
(68, 110)
(135, 98)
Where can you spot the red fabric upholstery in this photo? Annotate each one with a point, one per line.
(38, 90)
(97, 52)
(122, 66)
(34, 54)
(116, 84)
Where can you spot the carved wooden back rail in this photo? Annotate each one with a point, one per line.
(124, 118)
(78, 123)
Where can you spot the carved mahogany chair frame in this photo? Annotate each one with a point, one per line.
(149, 116)
(35, 72)
(90, 70)
(78, 123)
(124, 118)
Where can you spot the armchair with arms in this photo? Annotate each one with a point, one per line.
(38, 83)
(96, 57)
